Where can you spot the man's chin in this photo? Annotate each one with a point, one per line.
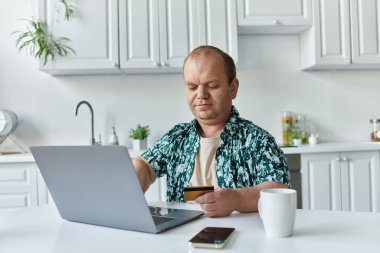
(204, 115)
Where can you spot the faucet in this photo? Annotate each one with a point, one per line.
(92, 140)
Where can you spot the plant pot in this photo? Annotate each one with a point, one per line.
(140, 144)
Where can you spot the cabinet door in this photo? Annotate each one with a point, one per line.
(327, 45)
(218, 27)
(139, 34)
(17, 199)
(321, 181)
(93, 34)
(273, 16)
(332, 24)
(365, 25)
(360, 181)
(18, 186)
(179, 32)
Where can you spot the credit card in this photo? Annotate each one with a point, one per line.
(192, 192)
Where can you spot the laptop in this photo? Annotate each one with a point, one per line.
(98, 185)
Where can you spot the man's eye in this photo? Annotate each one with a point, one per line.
(192, 87)
(213, 85)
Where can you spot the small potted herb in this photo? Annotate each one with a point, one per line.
(140, 137)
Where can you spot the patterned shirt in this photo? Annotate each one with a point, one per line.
(247, 156)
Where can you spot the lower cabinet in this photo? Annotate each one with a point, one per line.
(21, 186)
(348, 181)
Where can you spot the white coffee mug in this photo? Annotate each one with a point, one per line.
(277, 209)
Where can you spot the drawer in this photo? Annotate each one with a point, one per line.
(18, 175)
(12, 200)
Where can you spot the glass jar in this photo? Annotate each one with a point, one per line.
(299, 133)
(375, 134)
(287, 123)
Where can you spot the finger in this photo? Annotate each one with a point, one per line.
(216, 213)
(208, 207)
(206, 198)
(211, 213)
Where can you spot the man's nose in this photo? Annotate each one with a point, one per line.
(202, 93)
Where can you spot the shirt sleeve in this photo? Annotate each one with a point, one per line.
(271, 163)
(159, 155)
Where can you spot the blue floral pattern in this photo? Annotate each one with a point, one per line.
(247, 156)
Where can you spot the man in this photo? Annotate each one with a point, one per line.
(217, 148)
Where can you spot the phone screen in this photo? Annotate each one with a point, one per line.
(214, 237)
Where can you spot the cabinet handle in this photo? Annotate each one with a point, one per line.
(338, 159)
(114, 65)
(157, 64)
(166, 64)
(344, 159)
(276, 22)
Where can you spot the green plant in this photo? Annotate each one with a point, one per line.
(140, 132)
(68, 8)
(41, 43)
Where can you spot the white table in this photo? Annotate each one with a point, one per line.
(40, 230)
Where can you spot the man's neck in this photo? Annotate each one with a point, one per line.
(208, 131)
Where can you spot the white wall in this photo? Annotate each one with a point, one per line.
(271, 81)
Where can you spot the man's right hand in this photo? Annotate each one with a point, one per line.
(144, 173)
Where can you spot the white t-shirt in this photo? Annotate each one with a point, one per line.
(204, 170)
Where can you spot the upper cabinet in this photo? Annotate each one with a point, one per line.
(365, 25)
(218, 26)
(93, 33)
(141, 36)
(345, 35)
(273, 16)
(156, 35)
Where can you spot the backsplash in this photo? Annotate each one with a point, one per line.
(339, 102)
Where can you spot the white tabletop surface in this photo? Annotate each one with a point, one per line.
(41, 230)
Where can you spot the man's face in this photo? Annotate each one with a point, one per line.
(209, 95)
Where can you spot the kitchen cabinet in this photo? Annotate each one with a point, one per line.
(93, 32)
(21, 186)
(156, 35)
(218, 26)
(272, 16)
(140, 36)
(345, 35)
(348, 181)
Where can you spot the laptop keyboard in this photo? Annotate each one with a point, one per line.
(159, 219)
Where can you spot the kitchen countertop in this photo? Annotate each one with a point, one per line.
(28, 157)
(318, 148)
(333, 147)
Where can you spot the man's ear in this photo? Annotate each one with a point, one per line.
(234, 86)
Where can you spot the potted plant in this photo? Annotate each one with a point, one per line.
(140, 137)
(40, 40)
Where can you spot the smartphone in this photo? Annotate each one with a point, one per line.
(211, 237)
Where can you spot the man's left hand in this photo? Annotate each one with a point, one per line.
(219, 203)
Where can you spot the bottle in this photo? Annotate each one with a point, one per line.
(296, 129)
(287, 123)
(375, 134)
(299, 130)
(114, 140)
(314, 134)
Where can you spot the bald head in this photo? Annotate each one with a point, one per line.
(211, 51)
